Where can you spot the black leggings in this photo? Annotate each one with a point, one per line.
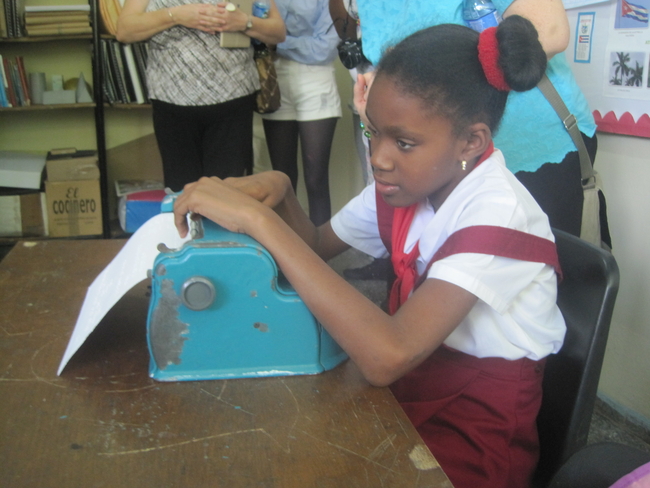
(209, 140)
(316, 142)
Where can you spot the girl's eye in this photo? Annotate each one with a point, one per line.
(404, 144)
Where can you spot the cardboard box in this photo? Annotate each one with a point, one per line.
(23, 215)
(74, 208)
(72, 165)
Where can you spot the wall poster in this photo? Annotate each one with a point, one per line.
(609, 53)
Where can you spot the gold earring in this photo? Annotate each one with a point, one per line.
(463, 165)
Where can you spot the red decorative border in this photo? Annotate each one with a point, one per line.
(625, 125)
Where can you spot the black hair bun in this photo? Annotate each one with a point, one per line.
(521, 56)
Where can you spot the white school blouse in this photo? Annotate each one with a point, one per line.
(516, 315)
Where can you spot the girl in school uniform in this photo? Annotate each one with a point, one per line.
(472, 311)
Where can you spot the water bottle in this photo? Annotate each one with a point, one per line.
(261, 8)
(480, 14)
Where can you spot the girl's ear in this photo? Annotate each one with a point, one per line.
(478, 138)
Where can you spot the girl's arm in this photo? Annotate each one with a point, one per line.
(550, 20)
(384, 347)
(274, 190)
(136, 24)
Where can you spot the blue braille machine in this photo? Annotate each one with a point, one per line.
(220, 309)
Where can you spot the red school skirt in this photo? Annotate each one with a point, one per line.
(477, 416)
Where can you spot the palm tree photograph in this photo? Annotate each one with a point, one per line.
(626, 69)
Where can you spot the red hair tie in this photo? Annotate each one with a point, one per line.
(488, 55)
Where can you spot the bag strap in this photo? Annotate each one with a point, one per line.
(571, 123)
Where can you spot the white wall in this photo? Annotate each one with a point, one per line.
(624, 163)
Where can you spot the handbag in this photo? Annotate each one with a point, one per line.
(268, 97)
(592, 186)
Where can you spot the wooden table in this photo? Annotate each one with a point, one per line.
(105, 423)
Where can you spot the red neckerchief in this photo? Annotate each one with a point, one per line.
(404, 264)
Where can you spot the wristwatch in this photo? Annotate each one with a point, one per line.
(249, 24)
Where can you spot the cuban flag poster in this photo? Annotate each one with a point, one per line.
(610, 59)
(633, 15)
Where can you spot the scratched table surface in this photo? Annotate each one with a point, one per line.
(105, 423)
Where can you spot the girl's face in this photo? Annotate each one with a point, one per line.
(414, 153)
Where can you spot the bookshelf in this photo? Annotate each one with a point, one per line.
(44, 127)
(81, 125)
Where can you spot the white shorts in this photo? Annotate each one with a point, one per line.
(308, 92)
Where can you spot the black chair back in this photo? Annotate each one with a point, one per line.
(599, 465)
(586, 298)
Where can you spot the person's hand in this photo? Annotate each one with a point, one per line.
(200, 16)
(361, 90)
(229, 19)
(218, 201)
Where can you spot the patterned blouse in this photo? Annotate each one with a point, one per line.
(188, 67)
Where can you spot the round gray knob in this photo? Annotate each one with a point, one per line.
(198, 293)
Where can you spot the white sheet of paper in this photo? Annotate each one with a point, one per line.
(126, 270)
